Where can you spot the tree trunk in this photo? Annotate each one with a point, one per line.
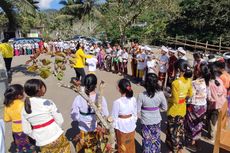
(11, 15)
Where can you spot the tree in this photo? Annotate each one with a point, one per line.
(203, 19)
(120, 15)
(13, 7)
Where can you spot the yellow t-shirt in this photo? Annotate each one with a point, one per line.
(79, 59)
(13, 113)
(181, 88)
(6, 50)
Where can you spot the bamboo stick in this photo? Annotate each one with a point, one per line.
(104, 122)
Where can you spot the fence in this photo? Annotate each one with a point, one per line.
(195, 45)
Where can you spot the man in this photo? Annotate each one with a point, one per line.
(7, 52)
(163, 65)
(181, 54)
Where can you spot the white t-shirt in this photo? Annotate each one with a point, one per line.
(163, 67)
(92, 64)
(151, 66)
(141, 65)
(125, 55)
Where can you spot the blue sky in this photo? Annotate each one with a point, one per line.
(52, 4)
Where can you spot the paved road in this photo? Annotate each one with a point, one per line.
(64, 98)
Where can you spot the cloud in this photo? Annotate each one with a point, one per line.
(45, 4)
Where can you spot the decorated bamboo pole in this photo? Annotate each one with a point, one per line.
(106, 123)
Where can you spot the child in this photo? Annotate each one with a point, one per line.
(12, 112)
(141, 56)
(181, 90)
(152, 64)
(124, 114)
(163, 65)
(196, 110)
(86, 117)
(92, 65)
(41, 119)
(149, 104)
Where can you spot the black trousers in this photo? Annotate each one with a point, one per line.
(8, 62)
(80, 75)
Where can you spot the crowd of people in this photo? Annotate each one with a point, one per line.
(190, 95)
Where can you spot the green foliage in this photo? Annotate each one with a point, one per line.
(205, 20)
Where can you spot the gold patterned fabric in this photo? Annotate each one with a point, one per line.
(125, 142)
(93, 142)
(61, 145)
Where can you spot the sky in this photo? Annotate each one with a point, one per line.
(52, 4)
(49, 4)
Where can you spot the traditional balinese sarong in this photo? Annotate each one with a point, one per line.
(175, 133)
(61, 145)
(22, 143)
(194, 120)
(151, 138)
(140, 74)
(93, 142)
(134, 67)
(125, 142)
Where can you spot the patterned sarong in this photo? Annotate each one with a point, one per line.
(151, 138)
(125, 142)
(91, 143)
(61, 145)
(194, 120)
(22, 143)
(175, 133)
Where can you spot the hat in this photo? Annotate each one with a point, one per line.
(165, 49)
(212, 60)
(172, 50)
(181, 50)
(226, 55)
(147, 48)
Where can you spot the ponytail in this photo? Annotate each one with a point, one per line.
(28, 106)
(125, 88)
(129, 92)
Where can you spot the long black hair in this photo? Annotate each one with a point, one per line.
(151, 84)
(90, 83)
(32, 88)
(12, 93)
(183, 66)
(205, 73)
(213, 73)
(125, 88)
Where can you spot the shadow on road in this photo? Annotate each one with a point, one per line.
(23, 69)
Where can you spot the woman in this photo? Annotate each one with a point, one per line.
(149, 104)
(124, 114)
(79, 65)
(197, 108)
(86, 116)
(181, 90)
(216, 99)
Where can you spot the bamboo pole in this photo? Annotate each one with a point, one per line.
(220, 43)
(104, 122)
(206, 47)
(195, 44)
